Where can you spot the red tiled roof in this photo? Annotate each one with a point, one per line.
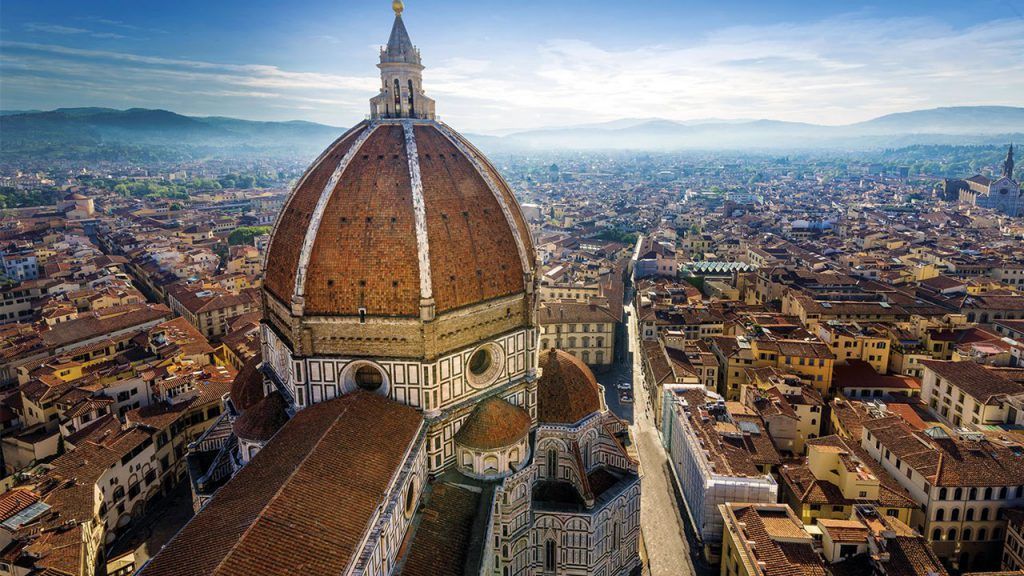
(974, 379)
(567, 391)
(365, 253)
(444, 537)
(494, 423)
(304, 502)
(262, 420)
(14, 501)
(247, 387)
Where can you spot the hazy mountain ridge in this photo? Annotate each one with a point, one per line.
(89, 133)
(966, 124)
(72, 132)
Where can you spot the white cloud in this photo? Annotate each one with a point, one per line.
(68, 30)
(835, 71)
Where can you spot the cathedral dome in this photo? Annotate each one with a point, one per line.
(494, 423)
(567, 391)
(394, 216)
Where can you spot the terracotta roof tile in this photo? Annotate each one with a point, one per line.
(338, 455)
(247, 387)
(290, 231)
(567, 391)
(494, 423)
(262, 420)
(365, 253)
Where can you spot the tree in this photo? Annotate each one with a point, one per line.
(245, 234)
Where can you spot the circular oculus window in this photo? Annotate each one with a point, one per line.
(484, 365)
(364, 375)
(369, 378)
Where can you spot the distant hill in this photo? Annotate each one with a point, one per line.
(144, 134)
(138, 134)
(956, 125)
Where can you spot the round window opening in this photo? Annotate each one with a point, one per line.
(480, 362)
(484, 366)
(369, 378)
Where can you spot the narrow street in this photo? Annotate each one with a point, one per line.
(668, 552)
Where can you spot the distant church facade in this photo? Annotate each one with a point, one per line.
(1002, 194)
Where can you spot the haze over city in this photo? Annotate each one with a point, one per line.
(511, 288)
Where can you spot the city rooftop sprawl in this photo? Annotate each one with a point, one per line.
(414, 358)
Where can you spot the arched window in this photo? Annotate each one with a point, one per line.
(410, 498)
(544, 344)
(937, 534)
(984, 514)
(973, 494)
(572, 341)
(954, 514)
(997, 533)
(549, 555)
(970, 514)
(988, 493)
(966, 534)
(615, 534)
(513, 457)
(940, 515)
(586, 341)
(552, 463)
(951, 535)
(490, 464)
(398, 97)
(981, 534)
(958, 494)
(942, 493)
(412, 107)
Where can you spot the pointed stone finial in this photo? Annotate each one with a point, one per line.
(398, 6)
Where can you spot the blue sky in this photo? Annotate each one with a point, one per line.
(502, 66)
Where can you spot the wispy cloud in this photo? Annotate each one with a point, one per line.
(41, 70)
(837, 70)
(69, 30)
(834, 71)
(120, 24)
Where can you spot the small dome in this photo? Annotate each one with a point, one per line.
(567, 391)
(494, 423)
(262, 420)
(247, 387)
